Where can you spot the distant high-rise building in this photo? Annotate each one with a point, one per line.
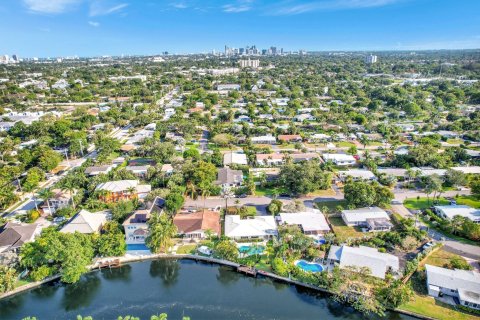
(249, 63)
(274, 50)
(370, 59)
(15, 58)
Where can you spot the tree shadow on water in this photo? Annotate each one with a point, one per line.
(226, 276)
(165, 269)
(11, 305)
(118, 274)
(82, 293)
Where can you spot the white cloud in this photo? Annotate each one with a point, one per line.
(294, 7)
(94, 23)
(239, 6)
(106, 7)
(50, 6)
(179, 5)
(235, 9)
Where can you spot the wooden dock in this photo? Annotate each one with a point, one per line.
(110, 264)
(247, 270)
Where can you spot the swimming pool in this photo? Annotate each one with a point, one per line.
(251, 250)
(137, 247)
(309, 266)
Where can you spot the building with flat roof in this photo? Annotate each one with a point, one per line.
(234, 158)
(461, 284)
(263, 227)
(339, 159)
(449, 212)
(310, 222)
(377, 262)
(372, 218)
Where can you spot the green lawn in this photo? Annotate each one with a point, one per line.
(455, 141)
(187, 249)
(331, 205)
(423, 203)
(428, 306)
(342, 231)
(345, 144)
(440, 258)
(21, 282)
(472, 201)
(260, 191)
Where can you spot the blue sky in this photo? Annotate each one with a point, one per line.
(111, 27)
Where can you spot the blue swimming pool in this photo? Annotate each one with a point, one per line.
(320, 241)
(309, 266)
(137, 247)
(251, 250)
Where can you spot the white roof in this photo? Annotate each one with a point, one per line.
(118, 186)
(86, 222)
(264, 138)
(377, 262)
(362, 214)
(309, 221)
(465, 282)
(236, 158)
(258, 226)
(362, 174)
(467, 170)
(459, 210)
(337, 157)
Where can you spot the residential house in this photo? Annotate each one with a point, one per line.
(378, 263)
(288, 138)
(86, 222)
(60, 199)
(449, 212)
(356, 175)
(14, 235)
(258, 227)
(114, 191)
(319, 137)
(339, 159)
(234, 158)
(461, 284)
(96, 170)
(272, 159)
(167, 168)
(372, 218)
(136, 227)
(228, 87)
(196, 225)
(139, 171)
(310, 222)
(267, 139)
(227, 177)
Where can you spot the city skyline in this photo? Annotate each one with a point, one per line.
(69, 27)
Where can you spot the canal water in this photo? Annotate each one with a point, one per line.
(179, 288)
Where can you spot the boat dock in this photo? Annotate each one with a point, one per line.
(247, 270)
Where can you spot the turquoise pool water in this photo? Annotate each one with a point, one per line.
(137, 247)
(309, 266)
(250, 250)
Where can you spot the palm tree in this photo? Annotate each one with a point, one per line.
(161, 232)
(364, 140)
(132, 191)
(46, 195)
(71, 188)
